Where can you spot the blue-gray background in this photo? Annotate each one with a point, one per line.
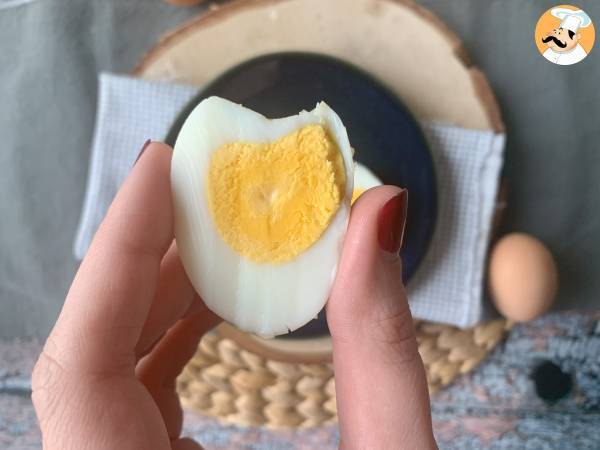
(52, 50)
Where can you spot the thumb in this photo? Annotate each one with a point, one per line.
(380, 380)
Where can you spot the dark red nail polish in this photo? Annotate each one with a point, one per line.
(146, 144)
(391, 222)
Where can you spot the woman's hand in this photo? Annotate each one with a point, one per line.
(132, 320)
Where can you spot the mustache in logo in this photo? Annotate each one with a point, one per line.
(556, 41)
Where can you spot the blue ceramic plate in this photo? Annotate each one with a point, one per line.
(386, 137)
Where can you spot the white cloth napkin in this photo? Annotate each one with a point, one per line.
(448, 286)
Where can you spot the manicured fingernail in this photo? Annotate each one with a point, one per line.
(146, 144)
(391, 222)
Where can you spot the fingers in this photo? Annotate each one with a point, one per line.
(166, 361)
(381, 387)
(125, 294)
(175, 297)
(159, 370)
(109, 299)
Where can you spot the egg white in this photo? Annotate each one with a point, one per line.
(265, 299)
(364, 178)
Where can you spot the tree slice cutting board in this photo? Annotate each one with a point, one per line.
(401, 44)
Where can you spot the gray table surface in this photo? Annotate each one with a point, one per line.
(52, 50)
(493, 407)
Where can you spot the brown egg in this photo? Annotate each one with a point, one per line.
(522, 277)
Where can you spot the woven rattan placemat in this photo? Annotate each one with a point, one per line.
(241, 387)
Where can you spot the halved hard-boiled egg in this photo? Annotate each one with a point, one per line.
(261, 210)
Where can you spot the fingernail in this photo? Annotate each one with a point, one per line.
(146, 144)
(391, 222)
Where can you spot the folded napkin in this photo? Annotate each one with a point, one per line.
(447, 287)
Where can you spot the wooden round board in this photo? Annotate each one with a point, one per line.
(238, 377)
(433, 76)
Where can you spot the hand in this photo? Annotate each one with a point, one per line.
(132, 320)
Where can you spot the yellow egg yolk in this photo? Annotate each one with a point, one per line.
(272, 201)
(357, 192)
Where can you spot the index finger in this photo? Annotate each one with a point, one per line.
(110, 297)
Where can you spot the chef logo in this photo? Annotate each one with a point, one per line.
(564, 35)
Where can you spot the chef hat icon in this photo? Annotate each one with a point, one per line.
(571, 20)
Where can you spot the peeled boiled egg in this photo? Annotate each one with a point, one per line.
(364, 180)
(261, 211)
